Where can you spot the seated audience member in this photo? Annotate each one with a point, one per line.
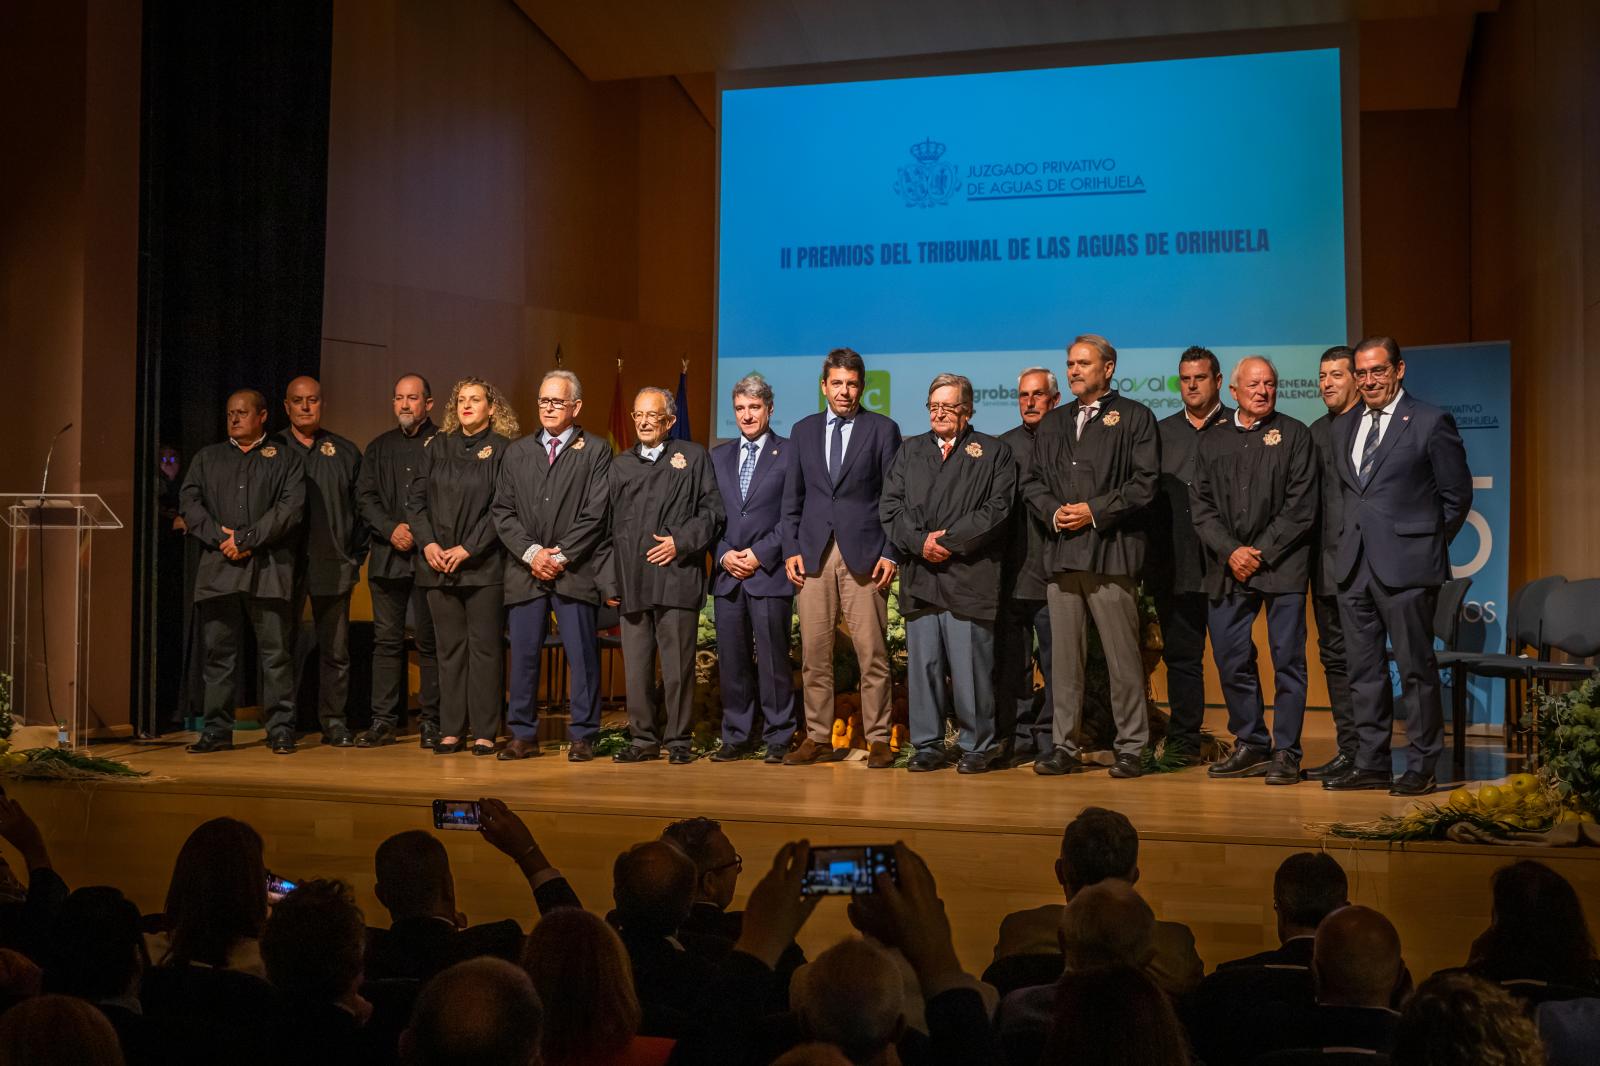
(1455, 1019)
(20, 978)
(426, 932)
(711, 927)
(312, 948)
(652, 885)
(591, 1014)
(853, 997)
(1307, 888)
(57, 1031)
(1537, 945)
(27, 913)
(1113, 1016)
(1570, 1029)
(1097, 845)
(812, 1055)
(482, 1012)
(97, 953)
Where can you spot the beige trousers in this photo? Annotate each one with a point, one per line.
(827, 596)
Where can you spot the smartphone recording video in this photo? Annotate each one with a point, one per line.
(278, 887)
(849, 870)
(455, 814)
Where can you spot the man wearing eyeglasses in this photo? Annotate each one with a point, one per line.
(669, 514)
(1407, 492)
(550, 509)
(945, 505)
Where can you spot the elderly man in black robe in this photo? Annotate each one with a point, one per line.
(945, 503)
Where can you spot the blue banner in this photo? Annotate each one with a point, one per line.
(1473, 383)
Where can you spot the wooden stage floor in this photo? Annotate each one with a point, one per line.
(1207, 854)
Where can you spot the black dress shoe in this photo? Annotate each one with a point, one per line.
(637, 753)
(924, 761)
(1244, 762)
(580, 751)
(1337, 766)
(378, 735)
(775, 753)
(974, 762)
(483, 749)
(338, 735)
(428, 735)
(1285, 769)
(281, 743)
(1058, 762)
(1358, 781)
(441, 748)
(210, 742)
(732, 752)
(680, 756)
(1127, 766)
(1412, 783)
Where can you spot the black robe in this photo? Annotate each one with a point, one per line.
(260, 495)
(1176, 560)
(1113, 468)
(449, 505)
(563, 505)
(969, 495)
(1022, 571)
(1256, 488)
(333, 538)
(391, 463)
(675, 496)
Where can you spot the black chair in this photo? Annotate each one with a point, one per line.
(1572, 627)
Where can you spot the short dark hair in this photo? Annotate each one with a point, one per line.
(1308, 887)
(96, 948)
(314, 942)
(1338, 352)
(1098, 844)
(482, 1012)
(652, 885)
(844, 359)
(1388, 344)
(692, 836)
(1196, 354)
(427, 387)
(413, 869)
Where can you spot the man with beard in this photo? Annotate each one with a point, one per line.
(391, 463)
(333, 544)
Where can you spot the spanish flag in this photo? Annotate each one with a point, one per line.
(618, 431)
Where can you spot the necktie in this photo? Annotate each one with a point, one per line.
(1369, 447)
(836, 450)
(747, 468)
(554, 443)
(944, 449)
(1085, 415)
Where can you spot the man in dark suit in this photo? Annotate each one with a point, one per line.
(1407, 492)
(838, 555)
(668, 516)
(1095, 466)
(1254, 501)
(945, 505)
(1022, 717)
(753, 599)
(550, 508)
(1175, 569)
(1307, 887)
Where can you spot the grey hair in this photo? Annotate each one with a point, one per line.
(942, 381)
(666, 397)
(754, 386)
(1049, 376)
(852, 996)
(1101, 346)
(1233, 379)
(574, 386)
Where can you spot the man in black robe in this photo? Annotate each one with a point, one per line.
(550, 508)
(668, 515)
(392, 461)
(243, 501)
(945, 503)
(1175, 571)
(1094, 471)
(1022, 718)
(1254, 500)
(333, 545)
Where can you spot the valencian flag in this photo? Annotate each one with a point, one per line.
(618, 432)
(680, 428)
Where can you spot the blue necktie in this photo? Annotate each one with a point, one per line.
(747, 469)
(836, 450)
(1369, 447)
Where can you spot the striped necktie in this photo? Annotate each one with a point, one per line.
(1369, 447)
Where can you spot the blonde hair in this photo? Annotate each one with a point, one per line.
(502, 416)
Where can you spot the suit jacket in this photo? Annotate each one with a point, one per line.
(1415, 501)
(563, 505)
(754, 521)
(1022, 570)
(1114, 469)
(261, 496)
(675, 496)
(1296, 951)
(1330, 508)
(392, 461)
(969, 495)
(1176, 562)
(815, 509)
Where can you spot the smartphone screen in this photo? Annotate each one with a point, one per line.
(849, 870)
(278, 887)
(455, 814)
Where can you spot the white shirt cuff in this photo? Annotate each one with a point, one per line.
(533, 549)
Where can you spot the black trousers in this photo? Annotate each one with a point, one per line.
(1371, 611)
(670, 631)
(468, 623)
(1335, 667)
(1183, 649)
(1022, 717)
(390, 678)
(222, 622)
(330, 635)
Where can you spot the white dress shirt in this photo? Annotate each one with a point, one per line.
(1365, 425)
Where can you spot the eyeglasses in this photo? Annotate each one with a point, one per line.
(1375, 373)
(651, 416)
(550, 403)
(946, 408)
(738, 861)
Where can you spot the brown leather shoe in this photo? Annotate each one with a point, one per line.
(809, 751)
(879, 756)
(519, 749)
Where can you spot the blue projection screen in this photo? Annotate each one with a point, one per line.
(975, 223)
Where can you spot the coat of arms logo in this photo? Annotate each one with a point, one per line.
(269, 451)
(486, 451)
(678, 461)
(975, 450)
(328, 449)
(1272, 437)
(929, 182)
(1111, 418)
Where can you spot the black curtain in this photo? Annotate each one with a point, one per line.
(232, 230)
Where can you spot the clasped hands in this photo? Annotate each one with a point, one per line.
(230, 547)
(1244, 562)
(1073, 516)
(445, 560)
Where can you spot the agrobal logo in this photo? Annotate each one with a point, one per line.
(929, 182)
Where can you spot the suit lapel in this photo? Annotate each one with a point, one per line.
(858, 443)
(764, 463)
